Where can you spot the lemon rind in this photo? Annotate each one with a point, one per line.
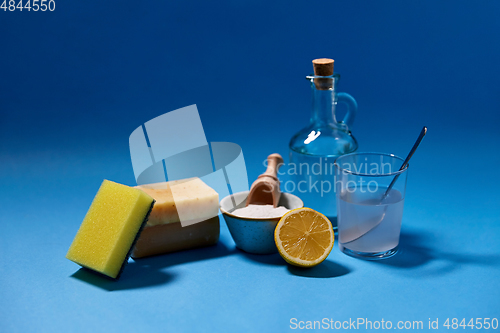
(296, 261)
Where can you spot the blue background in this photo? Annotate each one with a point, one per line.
(74, 83)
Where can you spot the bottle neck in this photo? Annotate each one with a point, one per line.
(324, 100)
(323, 107)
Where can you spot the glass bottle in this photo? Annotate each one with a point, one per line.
(314, 148)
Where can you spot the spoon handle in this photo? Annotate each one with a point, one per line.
(405, 163)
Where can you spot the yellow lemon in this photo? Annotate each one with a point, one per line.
(304, 237)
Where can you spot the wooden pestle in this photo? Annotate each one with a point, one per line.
(266, 189)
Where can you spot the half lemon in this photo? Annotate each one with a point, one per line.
(304, 237)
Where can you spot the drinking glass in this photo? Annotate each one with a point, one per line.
(369, 215)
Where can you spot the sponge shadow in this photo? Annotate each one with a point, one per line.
(149, 272)
(147, 278)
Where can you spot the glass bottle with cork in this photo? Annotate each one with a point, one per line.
(314, 148)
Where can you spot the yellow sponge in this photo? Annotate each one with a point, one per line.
(110, 228)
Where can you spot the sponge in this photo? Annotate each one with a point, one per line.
(110, 228)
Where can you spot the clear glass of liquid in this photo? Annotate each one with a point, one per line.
(369, 213)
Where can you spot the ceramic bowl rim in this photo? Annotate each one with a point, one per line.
(258, 219)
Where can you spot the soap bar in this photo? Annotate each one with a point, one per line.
(172, 237)
(164, 232)
(194, 201)
(110, 228)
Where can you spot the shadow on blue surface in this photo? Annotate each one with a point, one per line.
(148, 278)
(417, 249)
(327, 269)
(414, 250)
(268, 259)
(148, 272)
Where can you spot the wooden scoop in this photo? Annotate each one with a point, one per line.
(266, 189)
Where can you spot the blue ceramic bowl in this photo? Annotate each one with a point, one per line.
(254, 235)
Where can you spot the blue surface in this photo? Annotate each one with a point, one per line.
(76, 82)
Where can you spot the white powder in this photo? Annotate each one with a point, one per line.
(261, 211)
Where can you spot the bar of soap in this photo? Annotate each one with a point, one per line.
(109, 230)
(194, 201)
(172, 237)
(164, 232)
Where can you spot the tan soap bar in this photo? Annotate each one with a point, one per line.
(193, 198)
(172, 237)
(164, 232)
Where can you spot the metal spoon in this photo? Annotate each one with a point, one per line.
(354, 234)
(405, 163)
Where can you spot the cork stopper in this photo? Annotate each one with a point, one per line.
(323, 67)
